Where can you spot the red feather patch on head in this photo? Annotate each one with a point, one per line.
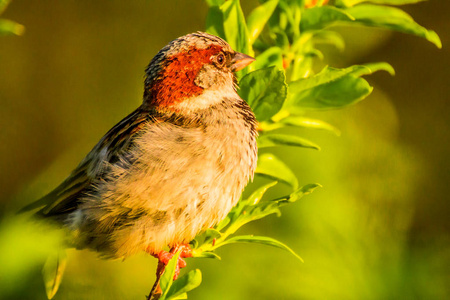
(176, 81)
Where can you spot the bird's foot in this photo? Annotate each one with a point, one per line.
(164, 257)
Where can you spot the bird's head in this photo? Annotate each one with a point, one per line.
(193, 72)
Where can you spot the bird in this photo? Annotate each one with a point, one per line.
(173, 167)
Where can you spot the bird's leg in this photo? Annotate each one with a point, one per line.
(163, 259)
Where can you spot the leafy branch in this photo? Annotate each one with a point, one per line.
(281, 87)
(8, 27)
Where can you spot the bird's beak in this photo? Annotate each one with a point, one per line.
(240, 61)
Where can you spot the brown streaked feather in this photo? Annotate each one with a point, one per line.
(112, 148)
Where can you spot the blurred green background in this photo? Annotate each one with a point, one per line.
(379, 227)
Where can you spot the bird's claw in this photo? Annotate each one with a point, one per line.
(164, 257)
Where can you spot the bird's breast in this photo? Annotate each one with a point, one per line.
(186, 177)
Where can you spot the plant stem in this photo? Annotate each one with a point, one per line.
(156, 292)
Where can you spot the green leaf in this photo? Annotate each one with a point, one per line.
(253, 209)
(235, 28)
(261, 240)
(166, 280)
(370, 68)
(391, 18)
(236, 212)
(222, 224)
(53, 272)
(252, 200)
(290, 14)
(256, 196)
(322, 16)
(3, 5)
(281, 39)
(245, 212)
(330, 74)
(269, 126)
(309, 123)
(211, 234)
(259, 17)
(332, 88)
(307, 189)
(276, 139)
(179, 297)
(25, 245)
(269, 58)
(314, 53)
(345, 91)
(204, 254)
(212, 3)
(185, 284)
(8, 27)
(214, 22)
(296, 195)
(304, 190)
(330, 38)
(301, 67)
(349, 3)
(265, 91)
(270, 166)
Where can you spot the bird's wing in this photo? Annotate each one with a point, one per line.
(112, 148)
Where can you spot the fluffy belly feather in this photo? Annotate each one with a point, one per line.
(170, 192)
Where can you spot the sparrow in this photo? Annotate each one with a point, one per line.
(170, 169)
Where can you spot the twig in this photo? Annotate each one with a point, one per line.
(156, 291)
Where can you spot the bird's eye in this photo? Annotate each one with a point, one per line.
(220, 59)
